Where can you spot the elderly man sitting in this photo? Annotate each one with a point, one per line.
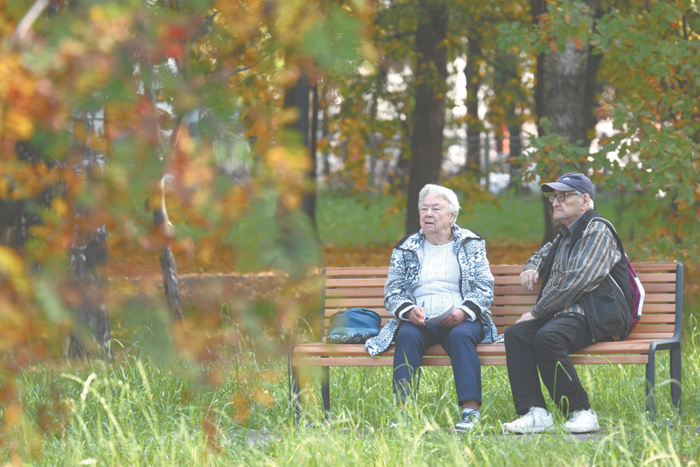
(585, 298)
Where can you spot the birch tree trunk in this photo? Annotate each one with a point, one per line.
(88, 279)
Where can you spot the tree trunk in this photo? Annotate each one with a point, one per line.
(304, 97)
(429, 110)
(16, 217)
(590, 101)
(560, 96)
(88, 279)
(563, 98)
(474, 126)
(516, 147)
(539, 7)
(87, 271)
(168, 266)
(564, 90)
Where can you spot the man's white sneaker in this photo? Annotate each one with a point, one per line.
(582, 421)
(536, 420)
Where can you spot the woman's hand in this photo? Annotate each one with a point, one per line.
(456, 317)
(417, 316)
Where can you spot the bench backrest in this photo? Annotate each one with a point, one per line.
(364, 287)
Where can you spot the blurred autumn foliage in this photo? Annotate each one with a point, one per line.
(107, 107)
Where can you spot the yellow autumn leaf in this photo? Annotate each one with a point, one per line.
(284, 159)
(12, 266)
(97, 14)
(18, 124)
(286, 117)
(60, 206)
(292, 200)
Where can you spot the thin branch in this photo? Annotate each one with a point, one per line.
(25, 25)
(505, 71)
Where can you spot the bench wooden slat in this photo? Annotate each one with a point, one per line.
(332, 282)
(355, 292)
(651, 335)
(506, 269)
(651, 287)
(657, 308)
(658, 277)
(514, 290)
(339, 361)
(514, 300)
(507, 316)
(374, 282)
(645, 322)
(317, 349)
(506, 280)
(445, 361)
(660, 298)
(354, 302)
(501, 310)
(669, 266)
(357, 271)
(335, 282)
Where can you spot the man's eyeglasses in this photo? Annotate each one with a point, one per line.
(561, 197)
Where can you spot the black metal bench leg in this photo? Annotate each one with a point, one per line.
(326, 391)
(415, 393)
(651, 407)
(294, 389)
(676, 388)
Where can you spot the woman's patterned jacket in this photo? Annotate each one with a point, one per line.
(476, 284)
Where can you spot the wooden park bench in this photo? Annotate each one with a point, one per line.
(659, 328)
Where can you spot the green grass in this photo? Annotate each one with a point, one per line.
(235, 410)
(359, 220)
(140, 413)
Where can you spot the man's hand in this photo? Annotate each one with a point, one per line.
(528, 278)
(417, 316)
(456, 317)
(525, 317)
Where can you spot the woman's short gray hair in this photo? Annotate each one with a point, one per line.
(445, 193)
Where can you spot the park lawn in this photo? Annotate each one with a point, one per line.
(235, 411)
(137, 412)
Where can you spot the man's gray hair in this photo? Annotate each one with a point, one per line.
(446, 194)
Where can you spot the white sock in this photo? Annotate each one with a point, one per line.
(541, 412)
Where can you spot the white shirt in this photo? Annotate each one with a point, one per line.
(438, 282)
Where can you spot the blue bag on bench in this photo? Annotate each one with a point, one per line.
(353, 326)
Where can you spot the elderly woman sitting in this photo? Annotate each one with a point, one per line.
(440, 267)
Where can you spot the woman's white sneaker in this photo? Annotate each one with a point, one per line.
(536, 420)
(583, 421)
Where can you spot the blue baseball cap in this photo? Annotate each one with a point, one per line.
(571, 181)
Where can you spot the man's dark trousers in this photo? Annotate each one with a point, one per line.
(459, 343)
(545, 344)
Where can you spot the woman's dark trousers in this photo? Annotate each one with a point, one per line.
(459, 343)
(545, 345)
